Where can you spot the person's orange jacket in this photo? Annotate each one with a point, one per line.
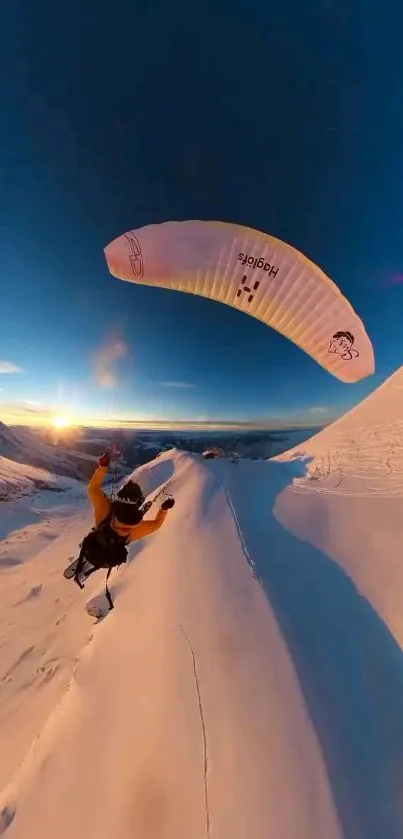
(102, 507)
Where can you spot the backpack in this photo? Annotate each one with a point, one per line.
(102, 548)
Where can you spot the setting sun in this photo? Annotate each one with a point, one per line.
(60, 422)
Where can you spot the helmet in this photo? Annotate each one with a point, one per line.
(126, 506)
(131, 493)
(127, 513)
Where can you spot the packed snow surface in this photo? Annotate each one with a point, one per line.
(248, 683)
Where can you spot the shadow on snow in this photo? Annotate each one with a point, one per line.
(349, 665)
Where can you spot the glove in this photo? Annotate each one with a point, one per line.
(105, 459)
(167, 504)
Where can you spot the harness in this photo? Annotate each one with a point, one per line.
(101, 548)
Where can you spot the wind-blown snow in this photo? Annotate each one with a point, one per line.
(250, 680)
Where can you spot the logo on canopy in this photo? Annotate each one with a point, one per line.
(135, 256)
(342, 344)
(247, 289)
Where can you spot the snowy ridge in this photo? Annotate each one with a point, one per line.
(360, 454)
(155, 698)
(249, 681)
(20, 480)
(25, 447)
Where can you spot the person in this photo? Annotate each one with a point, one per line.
(117, 523)
(127, 517)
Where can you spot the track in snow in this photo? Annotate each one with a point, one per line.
(203, 726)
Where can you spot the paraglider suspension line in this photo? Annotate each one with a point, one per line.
(114, 468)
(107, 592)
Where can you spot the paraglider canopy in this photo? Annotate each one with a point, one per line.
(253, 272)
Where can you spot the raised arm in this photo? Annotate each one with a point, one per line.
(146, 528)
(100, 502)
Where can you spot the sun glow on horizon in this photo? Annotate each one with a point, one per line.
(61, 422)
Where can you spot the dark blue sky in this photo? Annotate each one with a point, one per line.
(284, 117)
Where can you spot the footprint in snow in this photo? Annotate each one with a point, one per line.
(9, 561)
(17, 662)
(48, 670)
(35, 591)
(60, 620)
(7, 817)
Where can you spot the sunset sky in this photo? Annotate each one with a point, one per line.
(286, 118)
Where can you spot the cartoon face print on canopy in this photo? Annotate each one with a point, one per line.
(342, 344)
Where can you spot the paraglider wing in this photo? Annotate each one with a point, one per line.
(253, 272)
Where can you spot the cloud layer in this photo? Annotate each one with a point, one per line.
(9, 367)
(177, 384)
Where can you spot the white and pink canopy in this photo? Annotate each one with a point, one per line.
(253, 272)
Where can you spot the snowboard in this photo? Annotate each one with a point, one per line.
(86, 570)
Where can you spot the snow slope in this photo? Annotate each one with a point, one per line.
(35, 657)
(351, 505)
(23, 446)
(250, 680)
(18, 480)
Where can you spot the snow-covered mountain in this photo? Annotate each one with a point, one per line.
(249, 681)
(361, 454)
(25, 447)
(20, 480)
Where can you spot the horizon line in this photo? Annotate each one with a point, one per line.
(184, 425)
